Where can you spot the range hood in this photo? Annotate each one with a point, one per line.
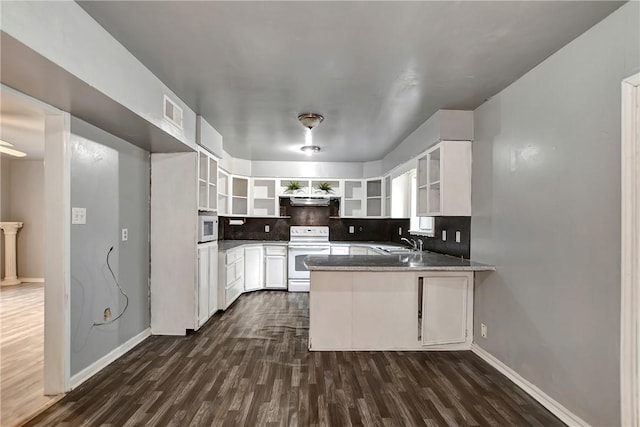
(310, 201)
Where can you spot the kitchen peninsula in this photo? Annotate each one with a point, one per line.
(412, 301)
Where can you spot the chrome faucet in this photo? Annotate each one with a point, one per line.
(413, 243)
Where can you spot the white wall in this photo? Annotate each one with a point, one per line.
(546, 213)
(5, 182)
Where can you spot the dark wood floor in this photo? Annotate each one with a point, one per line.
(250, 366)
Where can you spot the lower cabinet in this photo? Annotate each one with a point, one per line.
(444, 309)
(275, 267)
(207, 285)
(401, 310)
(253, 268)
(231, 276)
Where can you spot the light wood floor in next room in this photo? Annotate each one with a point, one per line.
(22, 353)
(250, 366)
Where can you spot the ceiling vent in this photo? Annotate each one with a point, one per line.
(172, 112)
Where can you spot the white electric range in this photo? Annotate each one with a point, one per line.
(303, 241)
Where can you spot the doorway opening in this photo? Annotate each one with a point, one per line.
(32, 133)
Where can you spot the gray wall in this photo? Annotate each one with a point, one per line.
(546, 212)
(110, 178)
(26, 204)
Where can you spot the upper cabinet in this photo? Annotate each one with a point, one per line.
(264, 198)
(352, 202)
(444, 180)
(207, 181)
(223, 193)
(374, 197)
(239, 195)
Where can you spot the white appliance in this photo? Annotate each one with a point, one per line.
(303, 241)
(207, 227)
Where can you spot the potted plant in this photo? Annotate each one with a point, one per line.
(325, 187)
(293, 187)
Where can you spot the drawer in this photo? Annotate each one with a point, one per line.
(239, 268)
(231, 256)
(339, 250)
(275, 250)
(231, 275)
(232, 293)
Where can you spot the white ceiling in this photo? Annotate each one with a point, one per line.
(22, 124)
(375, 70)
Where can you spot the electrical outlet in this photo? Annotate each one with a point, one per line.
(107, 314)
(457, 237)
(444, 235)
(267, 228)
(352, 229)
(78, 215)
(483, 330)
(399, 231)
(125, 234)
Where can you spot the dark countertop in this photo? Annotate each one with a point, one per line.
(413, 261)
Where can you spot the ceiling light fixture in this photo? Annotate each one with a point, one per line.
(4, 148)
(309, 121)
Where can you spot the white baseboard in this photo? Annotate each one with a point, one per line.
(31, 279)
(107, 359)
(545, 400)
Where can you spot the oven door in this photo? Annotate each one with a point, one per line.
(297, 254)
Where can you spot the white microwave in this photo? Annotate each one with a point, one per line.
(207, 228)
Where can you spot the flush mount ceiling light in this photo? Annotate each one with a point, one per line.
(309, 121)
(4, 148)
(310, 149)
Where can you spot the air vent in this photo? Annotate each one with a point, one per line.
(172, 112)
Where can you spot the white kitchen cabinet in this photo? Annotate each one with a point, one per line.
(173, 278)
(374, 197)
(339, 249)
(275, 262)
(387, 196)
(264, 201)
(231, 277)
(224, 204)
(353, 200)
(445, 302)
(358, 250)
(207, 181)
(253, 268)
(444, 180)
(239, 195)
(202, 290)
(213, 278)
(206, 291)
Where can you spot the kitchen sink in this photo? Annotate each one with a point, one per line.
(394, 250)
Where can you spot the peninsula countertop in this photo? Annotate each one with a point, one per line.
(412, 261)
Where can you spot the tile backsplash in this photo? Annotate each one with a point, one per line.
(383, 230)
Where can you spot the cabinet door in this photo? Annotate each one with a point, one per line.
(339, 250)
(213, 279)
(253, 275)
(358, 250)
(202, 292)
(444, 310)
(276, 272)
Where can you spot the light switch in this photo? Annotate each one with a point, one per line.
(78, 215)
(352, 229)
(267, 228)
(457, 237)
(444, 235)
(399, 231)
(125, 234)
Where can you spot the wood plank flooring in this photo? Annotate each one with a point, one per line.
(250, 366)
(22, 352)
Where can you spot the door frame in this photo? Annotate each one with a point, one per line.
(630, 254)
